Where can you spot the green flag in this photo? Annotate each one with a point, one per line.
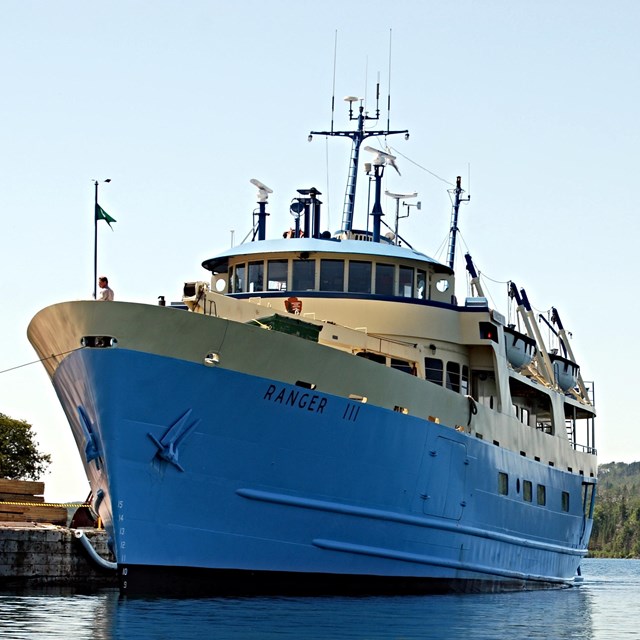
(101, 214)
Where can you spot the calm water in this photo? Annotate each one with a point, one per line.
(605, 606)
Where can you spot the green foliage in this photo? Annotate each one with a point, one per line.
(616, 519)
(19, 455)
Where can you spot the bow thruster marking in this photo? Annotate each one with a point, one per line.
(173, 438)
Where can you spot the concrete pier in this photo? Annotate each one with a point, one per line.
(35, 554)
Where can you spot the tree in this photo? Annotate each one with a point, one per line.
(19, 455)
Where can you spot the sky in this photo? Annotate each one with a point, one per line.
(180, 103)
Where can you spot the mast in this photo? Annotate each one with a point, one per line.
(457, 192)
(357, 137)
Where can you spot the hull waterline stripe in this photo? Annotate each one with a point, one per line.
(390, 516)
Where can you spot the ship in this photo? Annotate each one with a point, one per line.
(324, 416)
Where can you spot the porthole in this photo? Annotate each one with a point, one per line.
(442, 285)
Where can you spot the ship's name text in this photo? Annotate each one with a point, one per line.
(296, 398)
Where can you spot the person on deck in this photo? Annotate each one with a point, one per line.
(106, 293)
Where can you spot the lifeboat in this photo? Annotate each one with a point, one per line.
(565, 371)
(520, 348)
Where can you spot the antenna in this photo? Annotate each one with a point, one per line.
(389, 85)
(366, 81)
(333, 90)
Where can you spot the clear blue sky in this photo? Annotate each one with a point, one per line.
(181, 103)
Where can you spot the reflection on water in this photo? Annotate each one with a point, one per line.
(600, 609)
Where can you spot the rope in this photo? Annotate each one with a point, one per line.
(46, 504)
(53, 355)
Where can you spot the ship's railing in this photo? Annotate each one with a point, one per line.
(585, 448)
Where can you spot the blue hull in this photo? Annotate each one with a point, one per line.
(234, 483)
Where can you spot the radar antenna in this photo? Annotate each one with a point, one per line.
(263, 196)
(397, 197)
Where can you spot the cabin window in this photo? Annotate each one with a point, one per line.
(403, 365)
(421, 284)
(256, 276)
(527, 490)
(464, 380)
(405, 282)
(503, 483)
(542, 495)
(239, 279)
(374, 357)
(384, 279)
(453, 376)
(359, 277)
(433, 370)
(331, 275)
(277, 275)
(565, 501)
(304, 275)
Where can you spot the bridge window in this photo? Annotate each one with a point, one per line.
(304, 275)
(421, 285)
(359, 277)
(277, 275)
(331, 275)
(256, 276)
(384, 279)
(239, 279)
(406, 282)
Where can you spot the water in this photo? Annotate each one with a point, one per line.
(604, 607)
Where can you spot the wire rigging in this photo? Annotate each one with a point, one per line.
(435, 175)
(53, 355)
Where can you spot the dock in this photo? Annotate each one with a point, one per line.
(43, 544)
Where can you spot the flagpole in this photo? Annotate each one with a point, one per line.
(95, 244)
(109, 220)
